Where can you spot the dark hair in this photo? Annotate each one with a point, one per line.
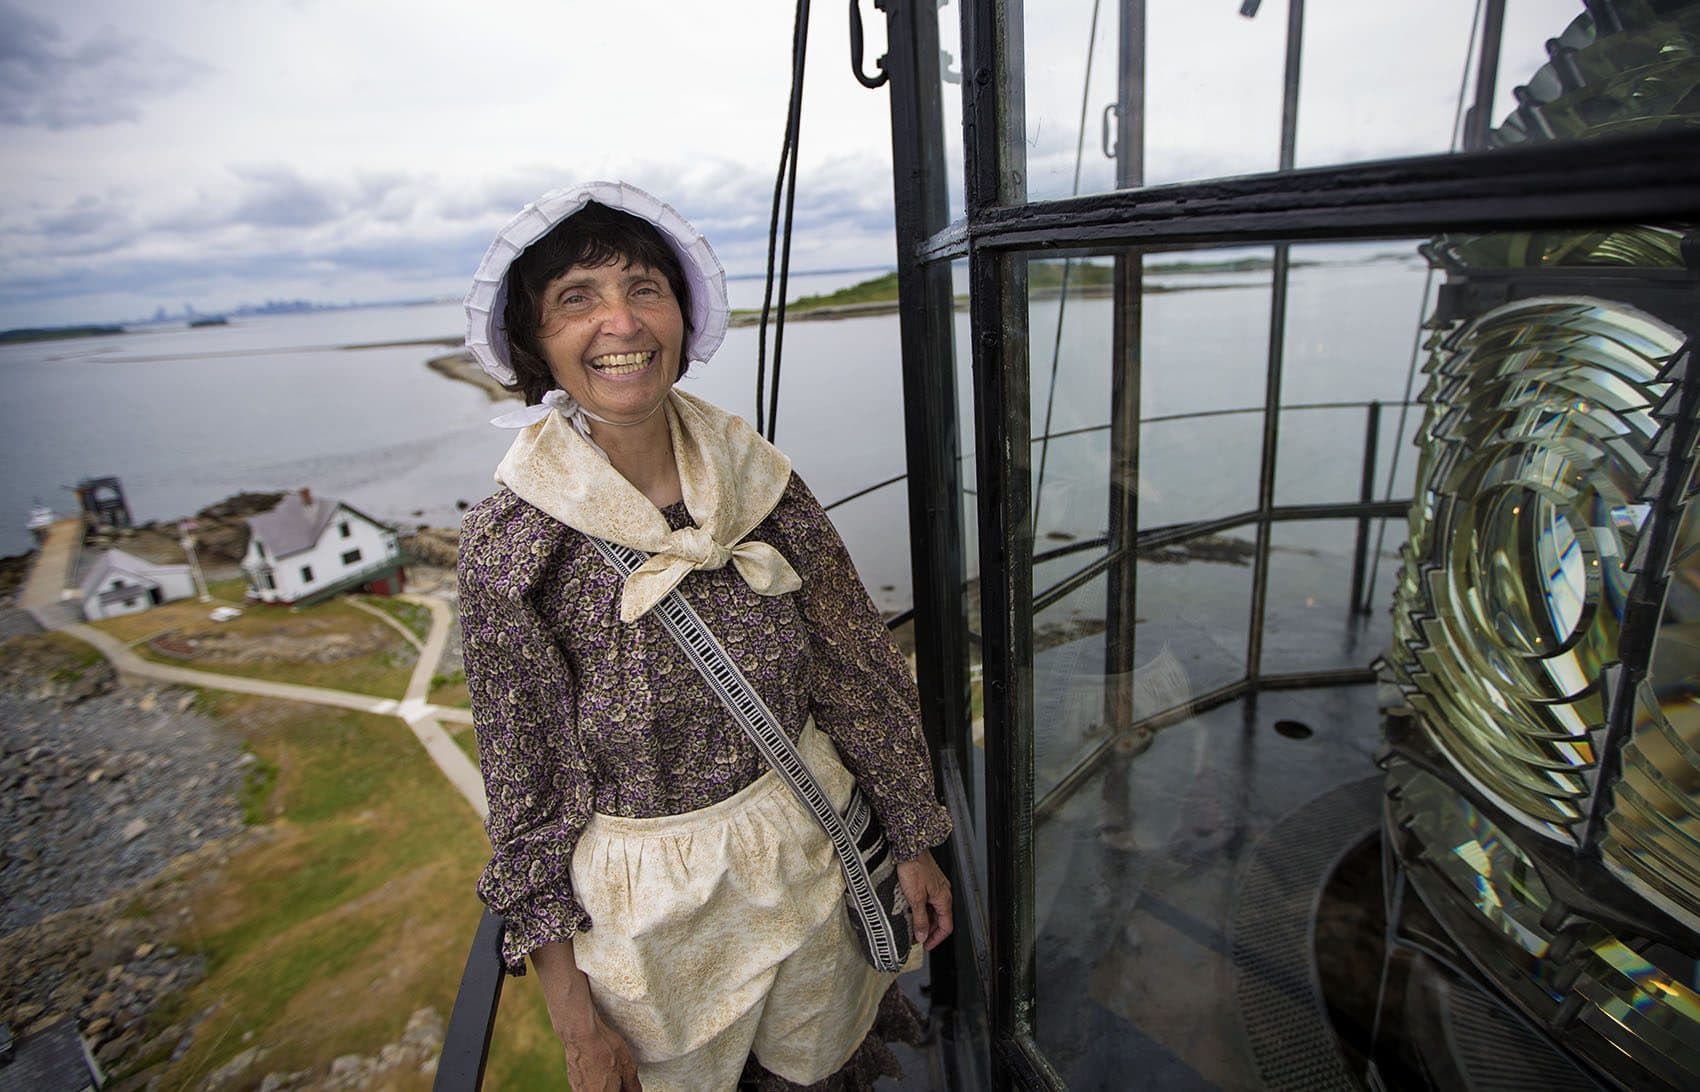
(593, 236)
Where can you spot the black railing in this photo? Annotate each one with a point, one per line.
(466, 1043)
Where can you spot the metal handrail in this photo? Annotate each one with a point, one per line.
(466, 1042)
(1156, 420)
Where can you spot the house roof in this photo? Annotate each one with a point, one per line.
(117, 561)
(52, 1060)
(296, 525)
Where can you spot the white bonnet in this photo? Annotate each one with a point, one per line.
(485, 333)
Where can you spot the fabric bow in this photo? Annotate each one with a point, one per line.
(763, 568)
(730, 477)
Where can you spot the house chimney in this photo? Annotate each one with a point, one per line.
(306, 497)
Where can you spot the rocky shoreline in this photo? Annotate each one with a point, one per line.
(109, 794)
(119, 805)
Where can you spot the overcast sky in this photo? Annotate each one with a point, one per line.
(219, 152)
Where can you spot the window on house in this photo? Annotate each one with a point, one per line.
(351, 557)
(259, 548)
(306, 574)
(266, 581)
(343, 527)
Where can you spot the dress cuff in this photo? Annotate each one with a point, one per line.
(921, 830)
(546, 920)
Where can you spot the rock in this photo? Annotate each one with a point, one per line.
(96, 1027)
(185, 703)
(134, 829)
(231, 1072)
(144, 950)
(148, 702)
(95, 775)
(109, 1052)
(424, 1029)
(68, 996)
(166, 1041)
(23, 1014)
(42, 1023)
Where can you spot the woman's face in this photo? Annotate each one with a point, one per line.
(613, 335)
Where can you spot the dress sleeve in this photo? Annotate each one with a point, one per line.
(862, 693)
(535, 778)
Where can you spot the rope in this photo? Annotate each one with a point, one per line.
(784, 190)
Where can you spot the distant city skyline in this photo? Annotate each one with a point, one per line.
(368, 150)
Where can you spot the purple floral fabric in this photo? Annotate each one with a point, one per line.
(576, 712)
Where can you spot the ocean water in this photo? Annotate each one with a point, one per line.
(185, 417)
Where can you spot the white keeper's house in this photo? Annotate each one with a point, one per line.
(121, 583)
(310, 548)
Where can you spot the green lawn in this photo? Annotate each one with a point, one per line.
(355, 910)
(450, 689)
(295, 639)
(415, 617)
(465, 738)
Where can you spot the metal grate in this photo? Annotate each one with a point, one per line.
(1281, 1009)
(1496, 1052)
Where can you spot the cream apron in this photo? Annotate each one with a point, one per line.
(721, 933)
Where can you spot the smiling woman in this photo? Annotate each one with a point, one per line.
(561, 289)
(679, 898)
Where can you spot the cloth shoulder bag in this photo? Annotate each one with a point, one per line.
(873, 899)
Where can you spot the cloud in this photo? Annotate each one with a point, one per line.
(272, 231)
(47, 82)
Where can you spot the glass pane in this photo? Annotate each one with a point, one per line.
(1376, 81)
(1539, 358)
(950, 91)
(1140, 892)
(1309, 622)
(1208, 112)
(1204, 319)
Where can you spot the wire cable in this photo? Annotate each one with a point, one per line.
(1068, 265)
(1417, 340)
(784, 193)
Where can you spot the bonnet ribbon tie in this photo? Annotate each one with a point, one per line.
(763, 568)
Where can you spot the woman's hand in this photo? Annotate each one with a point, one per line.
(928, 893)
(600, 1061)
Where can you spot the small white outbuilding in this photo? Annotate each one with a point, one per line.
(121, 583)
(310, 548)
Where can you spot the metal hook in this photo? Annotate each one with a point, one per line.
(872, 83)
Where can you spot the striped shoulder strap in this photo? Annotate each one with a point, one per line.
(727, 681)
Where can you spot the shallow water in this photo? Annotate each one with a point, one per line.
(186, 417)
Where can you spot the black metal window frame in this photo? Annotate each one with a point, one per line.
(1641, 178)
